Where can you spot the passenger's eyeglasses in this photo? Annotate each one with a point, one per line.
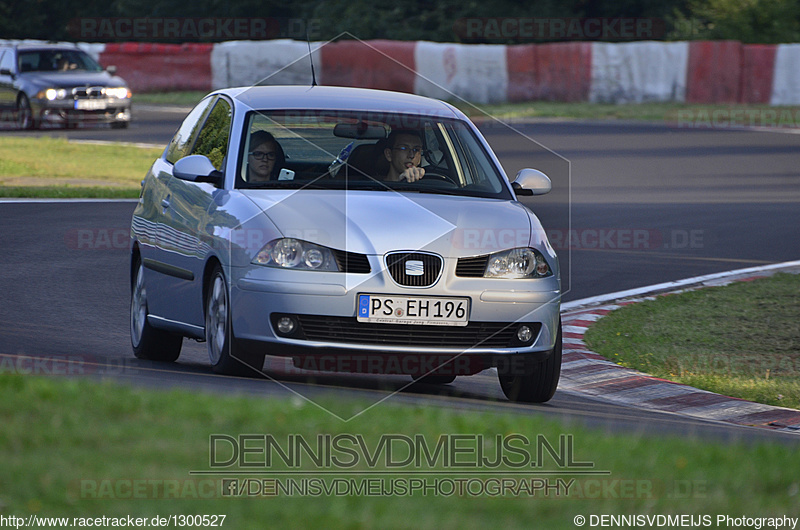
(414, 150)
(261, 155)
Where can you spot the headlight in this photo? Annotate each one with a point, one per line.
(118, 92)
(290, 253)
(52, 94)
(517, 263)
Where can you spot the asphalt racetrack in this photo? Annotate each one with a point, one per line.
(633, 205)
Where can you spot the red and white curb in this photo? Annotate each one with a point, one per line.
(585, 372)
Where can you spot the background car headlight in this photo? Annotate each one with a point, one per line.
(52, 94)
(290, 253)
(517, 263)
(118, 92)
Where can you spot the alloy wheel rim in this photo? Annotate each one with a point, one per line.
(216, 319)
(138, 307)
(24, 114)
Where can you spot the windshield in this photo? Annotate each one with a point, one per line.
(336, 150)
(57, 61)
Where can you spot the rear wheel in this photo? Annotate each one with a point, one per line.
(226, 356)
(534, 382)
(148, 342)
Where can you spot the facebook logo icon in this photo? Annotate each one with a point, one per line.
(230, 487)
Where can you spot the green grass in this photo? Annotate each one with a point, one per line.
(75, 448)
(740, 340)
(55, 167)
(188, 98)
(67, 192)
(660, 112)
(719, 115)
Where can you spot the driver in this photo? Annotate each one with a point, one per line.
(404, 154)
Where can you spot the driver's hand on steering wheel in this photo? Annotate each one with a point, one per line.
(412, 174)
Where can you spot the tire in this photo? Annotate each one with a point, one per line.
(25, 118)
(225, 355)
(149, 343)
(538, 381)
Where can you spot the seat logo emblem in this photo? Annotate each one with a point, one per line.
(414, 267)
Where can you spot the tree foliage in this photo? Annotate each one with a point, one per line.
(765, 21)
(749, 21)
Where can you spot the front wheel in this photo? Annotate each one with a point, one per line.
(148, 342)
(534, 382)
(223, 351)
(25, 117)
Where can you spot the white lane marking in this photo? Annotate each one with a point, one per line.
(671, 286)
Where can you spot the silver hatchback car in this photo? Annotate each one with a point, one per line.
(350, 230)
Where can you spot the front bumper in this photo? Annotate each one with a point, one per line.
(64, 112)
(326, 313)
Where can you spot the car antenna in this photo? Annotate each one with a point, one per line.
(311, 59)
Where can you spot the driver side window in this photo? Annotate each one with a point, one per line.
(213, 138)
(183, 141)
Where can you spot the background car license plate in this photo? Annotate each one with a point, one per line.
(425, 310)
(91, 104)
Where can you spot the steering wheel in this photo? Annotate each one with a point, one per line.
(440, 176)
(434, 180)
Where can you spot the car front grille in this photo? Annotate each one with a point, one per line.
(348, 329)
(414, 269)
(472, 267)
(89, 92)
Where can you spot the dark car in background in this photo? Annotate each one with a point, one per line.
(60, 85)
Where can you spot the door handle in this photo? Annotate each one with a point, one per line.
(165, 203)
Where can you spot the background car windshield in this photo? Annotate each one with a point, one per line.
(324, 149)
(57, 61)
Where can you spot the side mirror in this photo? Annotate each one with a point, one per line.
(531, 182)
(111, 69)
(197, 168)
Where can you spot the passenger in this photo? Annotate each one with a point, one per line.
(265, 159)
(404, 154)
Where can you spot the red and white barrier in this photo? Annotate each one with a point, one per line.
(153, 67)
(638, 71)
(381, 64)
(786, 81)
(476, 73)
(549, 72)
(270, 62)
(697, 72)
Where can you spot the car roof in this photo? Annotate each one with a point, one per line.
(42, 46)
(339, 98)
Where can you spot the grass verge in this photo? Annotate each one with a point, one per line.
(55, 167)
(702, 115)
(79, 448)
(740, 340)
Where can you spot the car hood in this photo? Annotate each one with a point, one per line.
(73, 79)
(378, 222)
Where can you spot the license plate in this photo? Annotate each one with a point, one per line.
(91, 104)
(426, 310)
